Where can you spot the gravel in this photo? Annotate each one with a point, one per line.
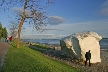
(97, 67)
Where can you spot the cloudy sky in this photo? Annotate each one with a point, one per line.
(68, 17)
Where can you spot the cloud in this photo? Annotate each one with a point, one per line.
(99, 26)
(104, 10)
(105, 4)
(55, 29)
(42, 35)
(55, 20)
(18, 10)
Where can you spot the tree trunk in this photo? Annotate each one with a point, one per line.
(19, 31)
(21, 23)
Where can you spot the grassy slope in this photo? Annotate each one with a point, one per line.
(25, 59)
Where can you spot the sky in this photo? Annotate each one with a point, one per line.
(68, 17)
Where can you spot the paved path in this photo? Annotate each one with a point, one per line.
(3, 52)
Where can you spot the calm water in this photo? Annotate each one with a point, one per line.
(104, 42)
(48, 41)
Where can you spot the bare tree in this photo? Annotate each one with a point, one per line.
(32, 11)
(13, 27)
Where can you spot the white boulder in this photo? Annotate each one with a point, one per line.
(76, 45)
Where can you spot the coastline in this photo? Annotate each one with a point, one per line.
(57, 46)
(56, 42)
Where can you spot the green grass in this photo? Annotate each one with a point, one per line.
(25, 59)
(40, 48)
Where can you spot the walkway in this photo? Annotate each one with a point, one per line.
(3, 52)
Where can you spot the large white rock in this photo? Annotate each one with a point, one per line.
(76, 45)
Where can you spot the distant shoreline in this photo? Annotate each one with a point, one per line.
(104, 38)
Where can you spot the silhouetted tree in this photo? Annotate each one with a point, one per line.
(13, 28)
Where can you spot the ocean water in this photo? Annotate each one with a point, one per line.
(103, 43)
(47, 41)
